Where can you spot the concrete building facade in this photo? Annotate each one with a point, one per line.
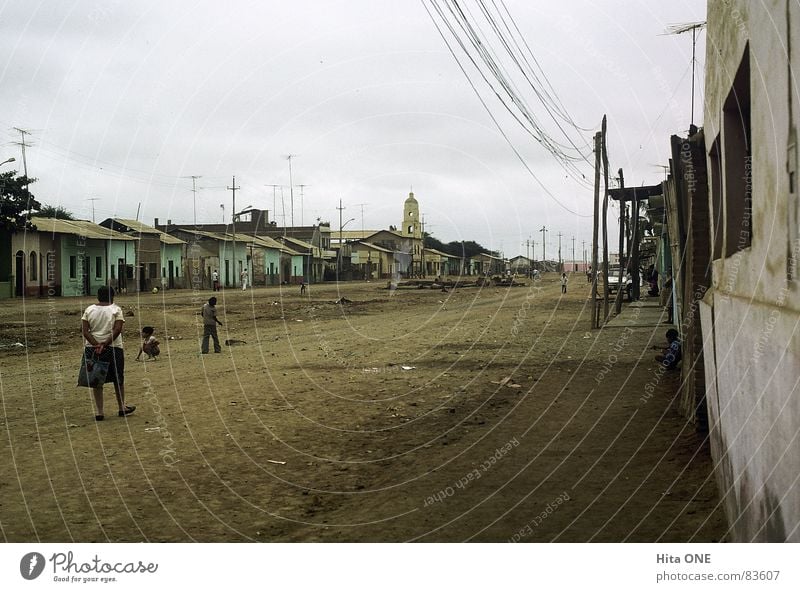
(751, 314)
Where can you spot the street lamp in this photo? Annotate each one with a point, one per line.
(341, 246)
(12, 159)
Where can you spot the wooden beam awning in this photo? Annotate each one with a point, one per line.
(635, 193)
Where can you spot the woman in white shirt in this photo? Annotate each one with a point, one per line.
(102, 333)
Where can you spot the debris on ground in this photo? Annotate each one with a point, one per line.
(507, 383)
(343, 300)
(234, 342)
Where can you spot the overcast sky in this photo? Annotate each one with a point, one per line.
(125, 100)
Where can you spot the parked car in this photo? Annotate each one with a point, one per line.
(613, 281)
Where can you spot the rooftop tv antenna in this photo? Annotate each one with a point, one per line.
(695, 28)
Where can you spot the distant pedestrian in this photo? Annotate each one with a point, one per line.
(214, 281)
(302, 288)
(210, 322)
(564, 283)
(589, 274)
(243, 277)
(101, 325)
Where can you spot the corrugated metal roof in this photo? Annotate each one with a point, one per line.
(352, 234)
(82, 228)
(263, 241)
(168, 239)
(441, 253)
(142, 228)
(135, 225)
(297, 242)
(376, 247)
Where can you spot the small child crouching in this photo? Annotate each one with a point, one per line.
(149, 344)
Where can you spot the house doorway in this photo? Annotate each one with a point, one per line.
(142, 279)
(19, 273)
(170, 274)
(122, 276)
(85, 276)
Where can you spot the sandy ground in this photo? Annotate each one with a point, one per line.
(488, 414)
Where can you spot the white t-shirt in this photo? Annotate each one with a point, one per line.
(101, 322)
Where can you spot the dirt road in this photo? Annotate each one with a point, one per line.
(408, 415)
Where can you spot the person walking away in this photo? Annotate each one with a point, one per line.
(101, 325)
(302, 288)
(210, 322)
(243, 277)
(149, 344)
(564, 283)
(214, 281)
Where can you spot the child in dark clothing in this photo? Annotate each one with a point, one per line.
(671, 355)
(149, 344)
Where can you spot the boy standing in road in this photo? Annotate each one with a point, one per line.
(210, 322)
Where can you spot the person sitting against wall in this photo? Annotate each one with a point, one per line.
(671, 356)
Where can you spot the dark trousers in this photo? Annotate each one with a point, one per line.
(210, 331)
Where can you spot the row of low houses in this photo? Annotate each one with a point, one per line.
(726, 224)
(75, 257)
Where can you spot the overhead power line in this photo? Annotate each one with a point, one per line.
(446, 23)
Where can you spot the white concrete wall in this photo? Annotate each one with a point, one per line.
(751, 318)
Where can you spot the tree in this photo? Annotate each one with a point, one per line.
(467, 249)
(432, 242)
(17, 204)
(456, 248)
(58, 212)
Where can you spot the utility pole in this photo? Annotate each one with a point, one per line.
(583, 249)
(362, 216)
(291, 188)
(604, 155)
(274, 203)
(560, 263)
(233, 189)
(544, 248)
(341, 243)
(91, 199)
(25, 162)
(301, 203)
(194, 179)
(623, 209)
(595, 224)
(23, 145)
(574, 265)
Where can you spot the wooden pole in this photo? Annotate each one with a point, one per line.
(605, 222)
(635, 255)
(597, 144)
(622, 223)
